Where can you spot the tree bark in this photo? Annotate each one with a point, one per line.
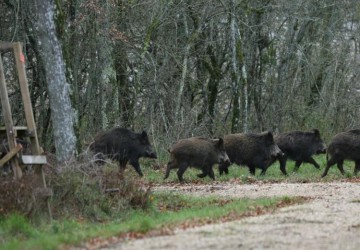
(184, 71)
(235, 121)
(58, 88)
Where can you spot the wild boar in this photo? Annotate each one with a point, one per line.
(255, 150)
(198, 152)
(344, 146)
(123, 145)
(299, 146)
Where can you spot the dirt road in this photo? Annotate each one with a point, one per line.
(331, 220)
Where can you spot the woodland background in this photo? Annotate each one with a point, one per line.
(182, 68)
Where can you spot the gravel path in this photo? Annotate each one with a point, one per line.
(331, 220)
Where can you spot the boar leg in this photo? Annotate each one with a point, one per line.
(263, 171)
(135, 164)
(252, 169)
(122, 164)
(340, 167)
(207, 171)
(297, 165)
(282, 161)
(202, 175)
(312, 161)
(357, 167)
(211, 173)
(224, 168)
(182, 168)
(330, 162)
(271, 161)
(170, 165)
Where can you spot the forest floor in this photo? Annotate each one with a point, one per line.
(330, 219)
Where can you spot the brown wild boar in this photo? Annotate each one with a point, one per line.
(198, 152)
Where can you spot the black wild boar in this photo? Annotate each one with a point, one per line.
(123, 145)
(198, 152)
(344, 146)
(254, 150)
(299, 146)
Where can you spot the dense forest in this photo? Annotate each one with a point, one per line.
(179, 68)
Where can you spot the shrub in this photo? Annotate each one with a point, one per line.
(92, 192)
(16, 196)
(96, 193)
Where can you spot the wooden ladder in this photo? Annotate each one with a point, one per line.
(14, 156)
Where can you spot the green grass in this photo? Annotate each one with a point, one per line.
(167, 210)
(306, 173)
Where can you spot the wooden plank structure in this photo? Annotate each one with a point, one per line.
(15, 157)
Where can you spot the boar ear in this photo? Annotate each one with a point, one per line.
(215, 141)
(316, 132)
(269, 134)
(144, 137)
(220, 142)
(269, 137)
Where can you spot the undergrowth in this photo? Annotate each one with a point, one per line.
(94, 193)
(97, 194)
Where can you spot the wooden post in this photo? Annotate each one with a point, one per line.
(36, 158)
(8, 121)
(10, 155)
(4, 46)
(25, 94)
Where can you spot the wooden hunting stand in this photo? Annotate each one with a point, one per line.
(15, 156)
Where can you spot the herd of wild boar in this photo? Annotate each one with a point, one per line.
(254, 150)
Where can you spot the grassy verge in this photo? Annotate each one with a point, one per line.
(166, 212)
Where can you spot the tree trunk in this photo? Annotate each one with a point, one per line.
(184, 71)
(58, 88)
(235, 120)
(125, 92)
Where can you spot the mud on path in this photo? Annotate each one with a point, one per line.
(330, 220)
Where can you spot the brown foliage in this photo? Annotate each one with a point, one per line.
(96, 192)
(16, 196)
(119, 186)
(88, 192)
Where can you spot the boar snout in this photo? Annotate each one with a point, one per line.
(226, 160)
